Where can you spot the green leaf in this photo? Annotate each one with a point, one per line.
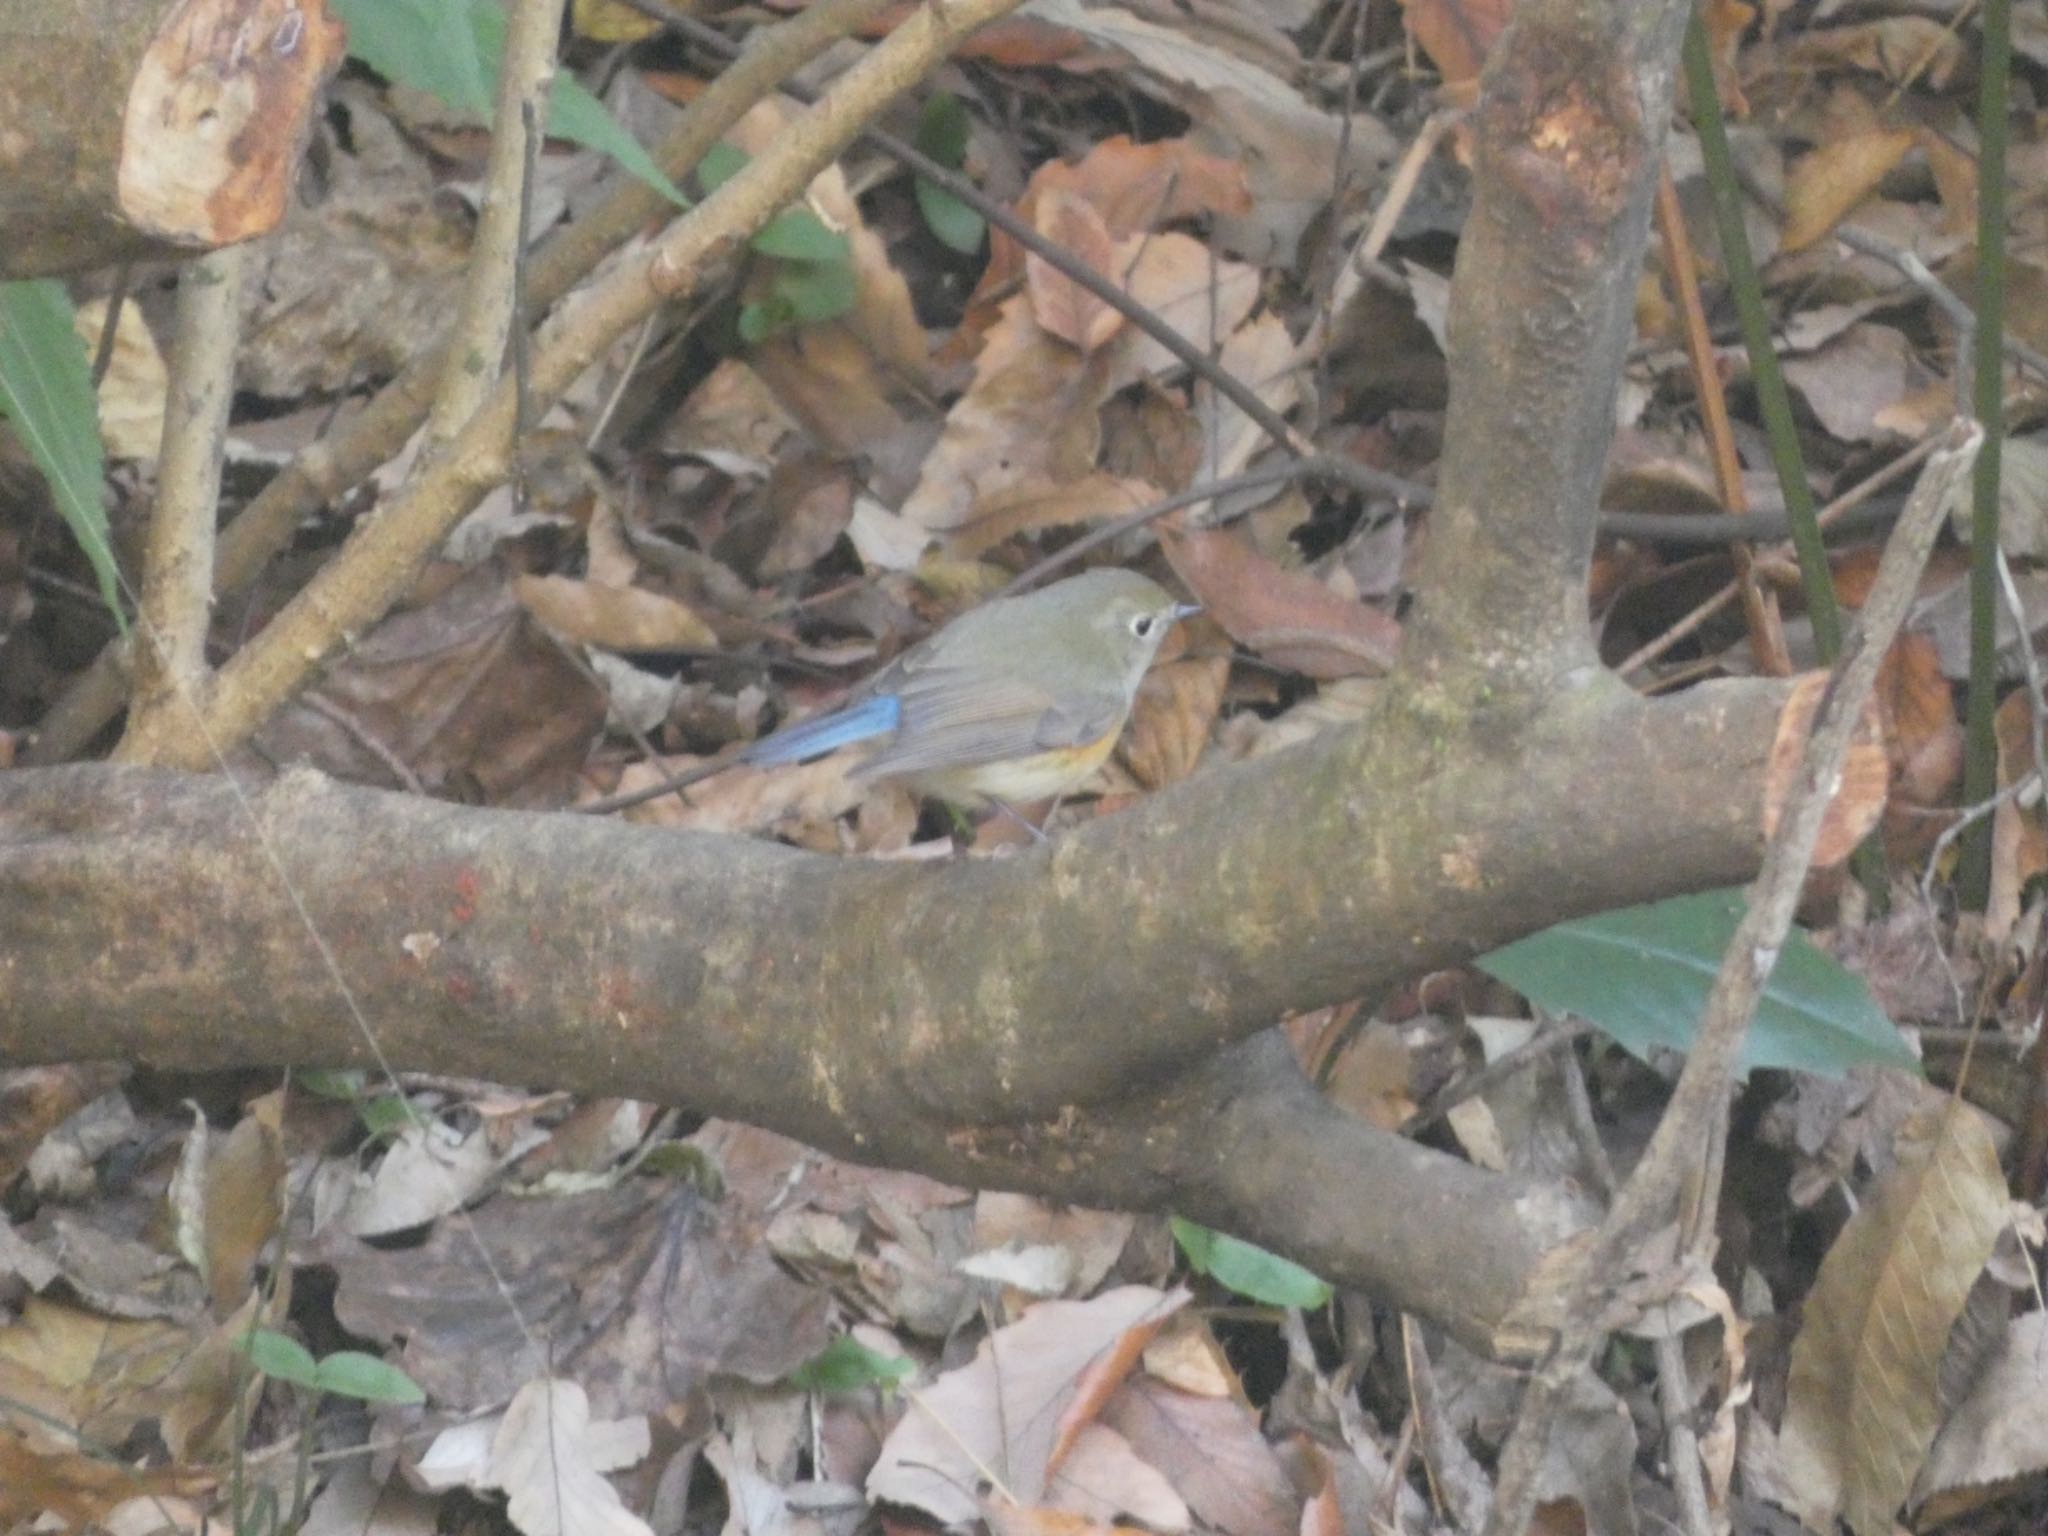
(797, 234)
(721, 162)
(351, 1373)
(452, 52)
(942, 131)
(1248, 1269)
(46, 392)
(429, 45)
(385, 1115)
(794, 234)
(817, 291)
(846, 1365)
(342, 1084)
(276, 1354)
(952, 221)
(581, 118)
(1642, 974)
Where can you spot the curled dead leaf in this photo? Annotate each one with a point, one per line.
(1170, 724)
(1288, 617)
(617, 618)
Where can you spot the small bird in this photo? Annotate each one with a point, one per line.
(1017, 700)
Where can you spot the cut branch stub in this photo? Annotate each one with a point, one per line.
(196, 146)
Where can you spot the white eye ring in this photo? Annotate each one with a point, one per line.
(1143, 624)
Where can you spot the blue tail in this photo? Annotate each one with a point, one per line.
(864, 721)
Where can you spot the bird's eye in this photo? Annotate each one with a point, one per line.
(1143, 624)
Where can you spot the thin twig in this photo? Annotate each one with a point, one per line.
(490, 294)
(1700, 1096)
(176, 605)
(355, 587)
(1830, 515)
(335, 462)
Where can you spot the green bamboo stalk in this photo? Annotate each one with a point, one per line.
(1980, 750)
(1774, 403)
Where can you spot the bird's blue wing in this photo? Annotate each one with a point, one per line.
(871, 717)
(957, 720)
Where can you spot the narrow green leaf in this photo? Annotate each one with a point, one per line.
(428, 45)
(581, 118)
(942, 130)
(351, 1373)
(1642, 974)
(846, 1365)
(46, 392)
(276, 1354)
(1247, 1268)
(453, 52)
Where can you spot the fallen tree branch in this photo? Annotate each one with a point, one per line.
(1031, 1021)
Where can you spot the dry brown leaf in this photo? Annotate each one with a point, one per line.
(1098, 1382)
(1062, 307)
(1134, 187)
(1288, 617)
(2019, 841)
(35, 1100)
(1026, 508)
(132, 395)
(1863, 384)
(1456, 34)
(1187, 1357)
(1896, 48)
(77, 1488)
(1211, 1448)
(551, 1459)
(1006, 1518)
(244, 1200)
(1866, 773)
(1955, 180)
(1726, 21)
(1004, 1409)
(1998, 1431)
(618, 618)
(1926, 742)
(1838, 174)
(463, 692)
(1030, 417)
(1176, 709)
(748, 801)
(1861, 1400)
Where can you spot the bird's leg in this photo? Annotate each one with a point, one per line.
(1009, 810)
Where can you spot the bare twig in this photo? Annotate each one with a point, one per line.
(1700, 1097)
(177, 579)
(355, 587)
(476, 351)
(329, 467)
